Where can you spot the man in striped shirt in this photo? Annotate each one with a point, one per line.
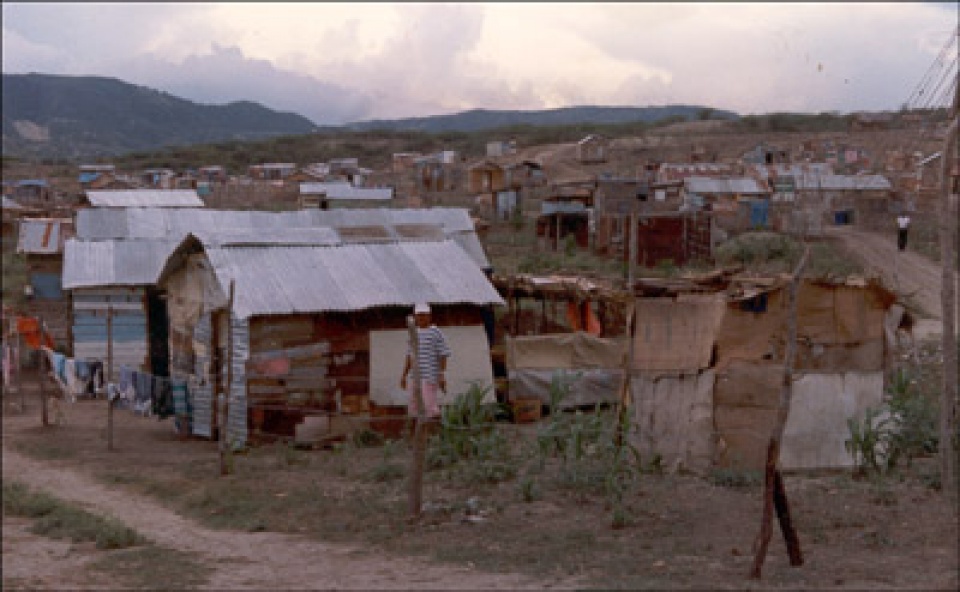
(432, 363)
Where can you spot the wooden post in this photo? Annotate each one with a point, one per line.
(948, 305)
(110, 402)
(631, 265)
(627, 370)
(419, 434)
(773, 490)
(224, 406)
(19, 351)
(44, 362)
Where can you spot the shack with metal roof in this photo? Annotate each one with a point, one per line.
(318, 329)
(41, 242)
(154, 198)
(113, 265)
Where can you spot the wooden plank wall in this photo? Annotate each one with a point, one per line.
(129, 329)
(300, 364)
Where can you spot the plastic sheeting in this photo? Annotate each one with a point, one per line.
(745, 410)
(567, 350)
(588, 386)
(817, 425)
(469, 362)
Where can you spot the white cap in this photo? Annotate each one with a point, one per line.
(421, 308)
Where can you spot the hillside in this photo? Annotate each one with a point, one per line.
(82, 117)
(484, 119)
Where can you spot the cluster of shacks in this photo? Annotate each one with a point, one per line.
(317, 319)
(707, 367)
(293, 314)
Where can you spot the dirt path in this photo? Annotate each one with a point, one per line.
(907, 273)
(261, 561)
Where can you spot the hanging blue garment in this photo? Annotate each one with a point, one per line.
(60, 366)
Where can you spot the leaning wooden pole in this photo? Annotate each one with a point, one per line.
(774, 493)
(948, 304)
(110, 402)
(415, 494)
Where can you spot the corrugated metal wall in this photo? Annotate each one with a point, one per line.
(237, 410)
(200, 387)
(129, 327)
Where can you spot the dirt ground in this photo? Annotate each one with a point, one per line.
(908, 274)
(241, 561)
(690, 533)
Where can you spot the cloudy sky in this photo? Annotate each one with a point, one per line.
(341, 62)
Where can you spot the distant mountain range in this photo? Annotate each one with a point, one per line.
(483, 119)
(83, 117)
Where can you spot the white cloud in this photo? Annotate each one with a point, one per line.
(339, 61)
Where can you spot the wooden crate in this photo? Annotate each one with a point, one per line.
(526, 409)
(389, 421)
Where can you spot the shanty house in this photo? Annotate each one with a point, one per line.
(271, 171)
(738, 204)
(707, 368)
(144, 198)
(593, 149)
(115, 279)
(341, 194)
(119, 253)
(317, 329)
(33, 191)
(614, 200)
(41, 241)
(849, 199)
(95, 176)
(566, 212)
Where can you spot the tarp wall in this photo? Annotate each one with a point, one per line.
(588, 386)
(673, 417)
(469, 361)
(745, 409)
(676, 335)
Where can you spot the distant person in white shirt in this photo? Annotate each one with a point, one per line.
(903, 225)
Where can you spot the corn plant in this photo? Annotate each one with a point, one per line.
(870, 441)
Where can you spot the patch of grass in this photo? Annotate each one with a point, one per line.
(733, 477)
(45, 449)
(59, 520)
(154, 568)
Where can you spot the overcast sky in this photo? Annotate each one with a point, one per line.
(341, 62)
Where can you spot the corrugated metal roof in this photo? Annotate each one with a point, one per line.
(274, 280)
(742, 186)
(43, 236)
(343, 190)
(132, 262)
(103, 223)
(89, 264)
(10, 204)
(156, 198)
(845, 183)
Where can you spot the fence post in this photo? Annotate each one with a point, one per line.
(109, 376)
(44, 418)
(419, 433)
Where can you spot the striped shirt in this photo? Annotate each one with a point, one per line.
(432, 347)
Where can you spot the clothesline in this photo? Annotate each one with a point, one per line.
(146, 393)
(75, 377)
